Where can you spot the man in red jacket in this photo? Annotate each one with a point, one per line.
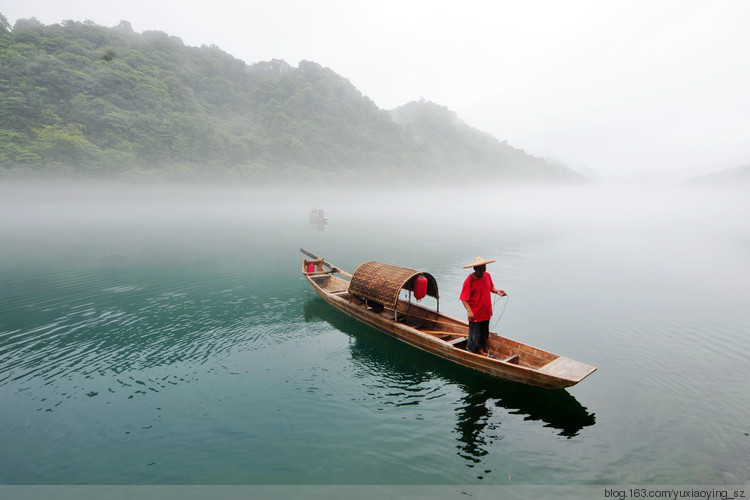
(476, 297)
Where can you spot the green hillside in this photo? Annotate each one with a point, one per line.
(82, 100)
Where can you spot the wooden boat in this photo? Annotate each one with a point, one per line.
(318, 219)
(372, 296)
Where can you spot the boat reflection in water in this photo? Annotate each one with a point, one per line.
(318, 219)
(409, 371)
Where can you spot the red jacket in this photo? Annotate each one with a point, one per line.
(478, 293)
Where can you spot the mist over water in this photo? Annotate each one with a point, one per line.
(163, 335)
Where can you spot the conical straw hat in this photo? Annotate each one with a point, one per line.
(478, 261)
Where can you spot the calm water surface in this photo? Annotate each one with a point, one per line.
(164, 336)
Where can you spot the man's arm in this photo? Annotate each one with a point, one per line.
(468, 308)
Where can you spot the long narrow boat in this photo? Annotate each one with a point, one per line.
(372, 296)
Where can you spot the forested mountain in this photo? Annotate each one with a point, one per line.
(458, 151)
(82, 100)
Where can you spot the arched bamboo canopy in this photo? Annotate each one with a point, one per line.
(382, 283)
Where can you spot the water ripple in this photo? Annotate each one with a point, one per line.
(67, 323)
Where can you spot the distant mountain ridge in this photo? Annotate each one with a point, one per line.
(731, 176)
(82, 100)
(457, 150)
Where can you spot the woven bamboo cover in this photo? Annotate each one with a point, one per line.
(383, 282)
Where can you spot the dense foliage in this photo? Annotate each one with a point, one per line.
(78, 99)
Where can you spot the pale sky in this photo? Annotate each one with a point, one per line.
(637, 91)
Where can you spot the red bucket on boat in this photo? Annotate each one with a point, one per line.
(310, 268)
(420, 287)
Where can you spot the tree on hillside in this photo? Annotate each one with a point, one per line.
(4, 25)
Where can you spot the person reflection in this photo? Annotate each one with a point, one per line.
(476, 422)
(471, 423)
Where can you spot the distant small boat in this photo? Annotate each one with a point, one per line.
(318, 219)
(371, 295)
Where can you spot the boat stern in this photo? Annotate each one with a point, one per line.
(567, 369)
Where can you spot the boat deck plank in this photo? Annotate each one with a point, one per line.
(567, 368)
